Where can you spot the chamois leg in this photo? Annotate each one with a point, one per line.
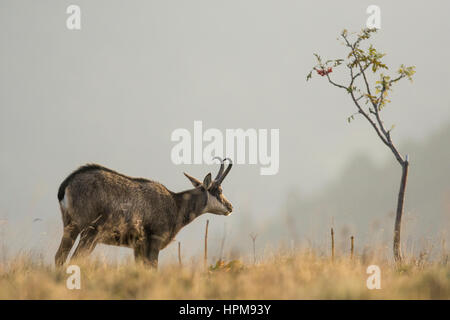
(152, 252)
(138, 253)
(88, 241)
(68, 239)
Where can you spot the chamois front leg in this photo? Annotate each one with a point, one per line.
(151, 251)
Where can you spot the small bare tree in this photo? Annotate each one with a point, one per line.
(369, 100)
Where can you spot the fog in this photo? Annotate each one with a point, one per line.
(113, 92)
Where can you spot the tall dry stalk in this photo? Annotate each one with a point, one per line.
(253, 236)
(222, 243)
(179, 254)
(206, 245)
(352, 246)
(3, 248)
(332, 244)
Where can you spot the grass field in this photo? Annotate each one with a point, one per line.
(301, 275)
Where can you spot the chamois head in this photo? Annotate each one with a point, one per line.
(215, 201)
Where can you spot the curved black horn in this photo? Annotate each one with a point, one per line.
(219, 181)
(221, 168)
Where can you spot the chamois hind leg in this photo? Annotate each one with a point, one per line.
(138, 253)
(70, 234)
(88, 241)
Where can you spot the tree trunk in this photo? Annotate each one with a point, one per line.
(398, 217)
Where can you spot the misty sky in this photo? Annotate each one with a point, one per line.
(114, 91)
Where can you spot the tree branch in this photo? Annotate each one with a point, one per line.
(374, 125)
(384, 135)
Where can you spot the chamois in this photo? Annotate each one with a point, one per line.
(104, 206)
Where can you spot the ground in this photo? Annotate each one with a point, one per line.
(302, 275)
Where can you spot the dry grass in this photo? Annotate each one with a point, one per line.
(300, 276)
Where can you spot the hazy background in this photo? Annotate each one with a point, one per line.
(113, 92)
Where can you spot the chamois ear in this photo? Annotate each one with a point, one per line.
(196, 183)
(207, 182)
